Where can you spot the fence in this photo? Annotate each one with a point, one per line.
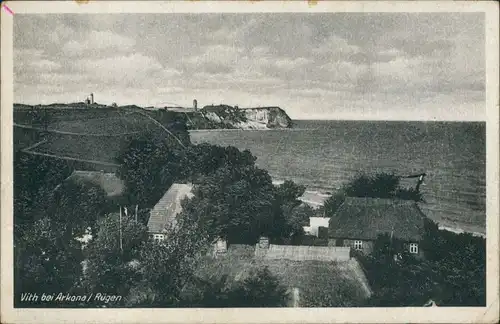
(303, 253)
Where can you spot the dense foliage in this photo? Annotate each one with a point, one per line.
(260, 288)
(452, 273)
(110, 257)
(76, 207)
(149, 165)
(34, 179)
(46, 261)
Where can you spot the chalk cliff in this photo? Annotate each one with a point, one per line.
(247, 118)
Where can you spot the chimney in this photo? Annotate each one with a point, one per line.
(420, 181)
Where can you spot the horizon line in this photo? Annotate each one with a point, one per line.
(298, 119)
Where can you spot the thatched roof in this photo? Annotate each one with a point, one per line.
(366, 218)
(168, 207)
(109, 182)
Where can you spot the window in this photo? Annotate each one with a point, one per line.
(358, 245)
(158, 237)
(414, 248)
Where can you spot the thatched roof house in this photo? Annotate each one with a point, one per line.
(164, 213)
(109, 182)
(359, 221)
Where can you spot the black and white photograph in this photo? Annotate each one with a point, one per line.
(272, 160)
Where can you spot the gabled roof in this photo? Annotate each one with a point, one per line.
(109, 182)
(168, 207)
(366, 218)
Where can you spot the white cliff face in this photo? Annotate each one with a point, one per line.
(271, 117)
(213, 117)
(248, 118)
(258, 115)
(251, 124)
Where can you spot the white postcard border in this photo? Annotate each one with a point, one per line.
(264, 315)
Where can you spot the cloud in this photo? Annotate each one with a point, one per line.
(134, 70)
(61, 34)
(45, 65)
(216, 54)
(98, 40)
(288, 64)
(335, 64)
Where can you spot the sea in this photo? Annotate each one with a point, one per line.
(322, 155)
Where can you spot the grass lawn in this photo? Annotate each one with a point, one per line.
(107, 126)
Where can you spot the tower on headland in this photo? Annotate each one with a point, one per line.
(195, 105)
(90, 99)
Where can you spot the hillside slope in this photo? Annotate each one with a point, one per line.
(209, 117)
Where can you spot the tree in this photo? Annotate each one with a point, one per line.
(75, 206)
(289, 193)
(214, 292)
(460, 259)
(149, 166)
(332, 203)
(110, 268)
(34, 179)
(299, 218)
(260, 289)
(168, 266)
(290, 216)
(204, 159)
(45, 261)
(235, 203)
(452, 274)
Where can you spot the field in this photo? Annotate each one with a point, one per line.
(90, 135)
(94, 148)
(33, 115)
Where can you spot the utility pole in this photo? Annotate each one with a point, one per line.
(121, 238)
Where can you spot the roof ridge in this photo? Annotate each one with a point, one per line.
(408, 201)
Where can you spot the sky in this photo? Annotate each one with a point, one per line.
(392, 66)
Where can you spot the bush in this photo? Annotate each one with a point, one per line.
(260, 289)
(453, 273)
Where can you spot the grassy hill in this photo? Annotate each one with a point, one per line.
(89, 136)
